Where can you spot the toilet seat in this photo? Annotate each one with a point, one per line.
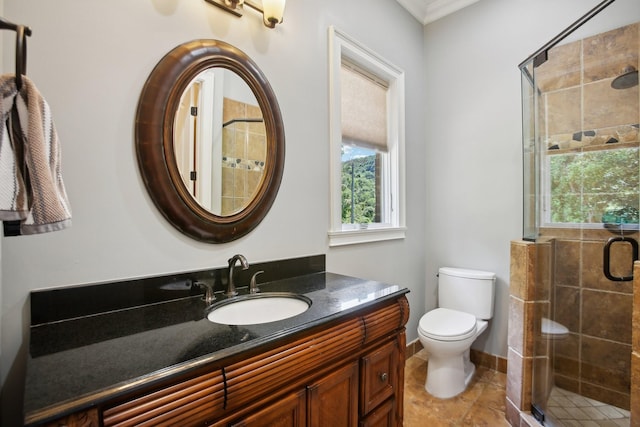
(444, 324)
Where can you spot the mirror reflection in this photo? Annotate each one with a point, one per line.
(220, 142)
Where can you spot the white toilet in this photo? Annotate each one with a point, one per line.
(465, 303)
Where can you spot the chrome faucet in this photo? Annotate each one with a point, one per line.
(231, 287)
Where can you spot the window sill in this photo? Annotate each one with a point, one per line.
(353, 237)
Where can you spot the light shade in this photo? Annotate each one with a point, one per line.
(273, 11)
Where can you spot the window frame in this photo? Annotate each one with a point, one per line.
(342, 45)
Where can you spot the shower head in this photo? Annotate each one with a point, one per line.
(626, 80)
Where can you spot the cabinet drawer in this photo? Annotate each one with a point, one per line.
(187, 403)
(379, 373)
(271, 371)
(383, 416)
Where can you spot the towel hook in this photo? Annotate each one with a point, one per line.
(22, 32)
(21, 55)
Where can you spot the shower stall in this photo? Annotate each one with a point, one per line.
(581, 139)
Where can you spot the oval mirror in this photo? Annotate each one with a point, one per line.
(210, 140)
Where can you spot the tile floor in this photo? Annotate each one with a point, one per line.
(567, 409)
(481, 404)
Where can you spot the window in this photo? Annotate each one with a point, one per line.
(599, 186)
(367, 144)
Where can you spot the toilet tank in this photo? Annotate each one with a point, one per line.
(471, 291)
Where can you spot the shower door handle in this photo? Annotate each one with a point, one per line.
(607, 258)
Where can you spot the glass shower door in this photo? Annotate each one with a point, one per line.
(581, 115)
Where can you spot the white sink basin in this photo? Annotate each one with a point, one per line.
(258, 308)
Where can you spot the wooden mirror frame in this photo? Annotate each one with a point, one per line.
(154, 130)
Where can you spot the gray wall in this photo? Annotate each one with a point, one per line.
(473, 133)
(90, 60)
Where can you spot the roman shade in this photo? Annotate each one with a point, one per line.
(364, 108)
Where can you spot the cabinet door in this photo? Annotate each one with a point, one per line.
(379, 376)
(288, 412)
(333, 400)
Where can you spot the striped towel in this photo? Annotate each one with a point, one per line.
(13, 196)
(31, 186)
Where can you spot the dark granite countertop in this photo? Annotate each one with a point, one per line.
(79, 362)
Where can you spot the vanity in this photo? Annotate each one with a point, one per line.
(149, 352)
(143, 352)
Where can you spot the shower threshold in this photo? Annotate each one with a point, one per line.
(566, 408)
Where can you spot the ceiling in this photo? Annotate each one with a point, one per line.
(427, 11)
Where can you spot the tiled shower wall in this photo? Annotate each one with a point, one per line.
(244, 150)
(635, 355)
(536, 363)
(529, 301)
(579, 109)
(594, 359)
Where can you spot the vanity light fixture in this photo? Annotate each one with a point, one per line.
(272, 10)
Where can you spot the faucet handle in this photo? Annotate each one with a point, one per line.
(208, 297)
(253, 286)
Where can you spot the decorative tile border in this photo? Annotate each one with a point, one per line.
(590, 138)
(243, 164)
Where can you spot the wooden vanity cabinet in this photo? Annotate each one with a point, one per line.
(330, 401)
(343, 374)
(364, 383)
(339, 398)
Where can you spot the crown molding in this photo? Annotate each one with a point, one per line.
(426, 11)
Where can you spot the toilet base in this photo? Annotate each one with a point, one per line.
(469, 368)
(449, 376)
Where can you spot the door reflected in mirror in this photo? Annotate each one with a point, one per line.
(220, 141)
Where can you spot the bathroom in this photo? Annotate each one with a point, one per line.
(463, 145)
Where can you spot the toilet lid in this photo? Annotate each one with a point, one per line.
(445, 324)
